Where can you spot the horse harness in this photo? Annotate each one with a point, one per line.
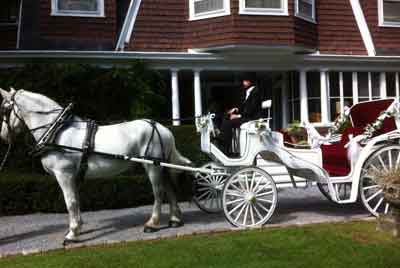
(47, 141)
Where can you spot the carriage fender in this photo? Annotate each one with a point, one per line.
(373, 145)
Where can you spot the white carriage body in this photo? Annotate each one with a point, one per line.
(251, 146)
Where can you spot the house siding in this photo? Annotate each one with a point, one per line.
(67, 32)
(165, 26)
(386, 39)
(338, 32)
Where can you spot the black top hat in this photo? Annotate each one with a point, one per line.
(249, 76)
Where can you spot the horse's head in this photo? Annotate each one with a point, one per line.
(11, 123)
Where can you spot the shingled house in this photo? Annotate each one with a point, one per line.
(312, 57)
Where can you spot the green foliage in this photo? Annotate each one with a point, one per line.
(116, 93)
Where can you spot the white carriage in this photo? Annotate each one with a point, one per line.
(245, 188)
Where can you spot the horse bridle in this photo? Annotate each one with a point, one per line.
(6, 108)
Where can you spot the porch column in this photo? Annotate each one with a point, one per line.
(382, 85)
(355, 88)
(176, 115)
(284, 101)
(325, 117)
(303, 97)
(341, 92)
(197, 94)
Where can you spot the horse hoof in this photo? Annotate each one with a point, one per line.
(175, 224)
(148, 229)
(67, 242)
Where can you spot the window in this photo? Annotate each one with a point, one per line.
(9, 12)
(314, 96)
(81, 8)
(264, 7)
(389, 13)
(391, 87)
(305, 9)
(202, 9)
(294, 98)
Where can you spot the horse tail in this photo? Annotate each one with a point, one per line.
(178, 159)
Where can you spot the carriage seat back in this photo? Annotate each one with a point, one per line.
(367, 112)
(334, 156)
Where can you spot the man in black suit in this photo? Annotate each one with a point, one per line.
(250, 109)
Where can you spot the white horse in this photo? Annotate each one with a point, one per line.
(23, 109)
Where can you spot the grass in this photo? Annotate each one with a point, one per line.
(354, 244)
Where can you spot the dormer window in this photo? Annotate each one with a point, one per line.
(80, 8)
(264, 7)
(202, 9)
(389, 13)
(305, 9)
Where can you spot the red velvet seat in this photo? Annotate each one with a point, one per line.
(334, 156)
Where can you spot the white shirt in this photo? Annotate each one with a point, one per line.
(248, 91)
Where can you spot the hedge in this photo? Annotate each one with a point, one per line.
(31, 192)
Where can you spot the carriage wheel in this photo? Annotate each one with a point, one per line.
(343, 190)
(371, 194)
(249, 197)
(208, 188)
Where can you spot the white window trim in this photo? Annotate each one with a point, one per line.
(98, 14)
(284, 11)
(226, 10)
(297, 14)
(381, 21)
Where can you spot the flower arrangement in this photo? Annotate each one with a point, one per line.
(340, 124)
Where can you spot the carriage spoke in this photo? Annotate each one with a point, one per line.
(386, 208)
(245, 214)
(371, 187)
(374, 195)
(207, 193)
(265, 200)
(264, 194)
(237, 207)
(262, 206)
(262, 187)
(234, 201)
(257, 212)
(252, 214)
(382, 163)
(240, 212)
(252, 181)
(378, 204)
(233, 193)
(375, 168)
(247, 182)
(390, 159)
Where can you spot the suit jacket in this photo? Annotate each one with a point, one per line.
(251, 107)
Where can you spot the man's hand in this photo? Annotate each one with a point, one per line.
(234, 116)
(232, 111)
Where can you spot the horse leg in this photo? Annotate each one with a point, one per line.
(71, 198)
(175, 219)
(155, 175)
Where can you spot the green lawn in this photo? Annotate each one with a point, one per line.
(324, 245)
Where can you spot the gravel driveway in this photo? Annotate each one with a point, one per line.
(41, 232)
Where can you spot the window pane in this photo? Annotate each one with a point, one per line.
(334, 89)
(77, 5)
(375, 86)
(294, 109)
(314, 96)
(9, 12)
(313, 84)
(391, 10)
(348, 84)
(391, 84)
(305, 8)
(202, 6)
(363, 88)
(335, 107)
(264, 3)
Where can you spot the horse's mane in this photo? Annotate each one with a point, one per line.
(37, 102)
